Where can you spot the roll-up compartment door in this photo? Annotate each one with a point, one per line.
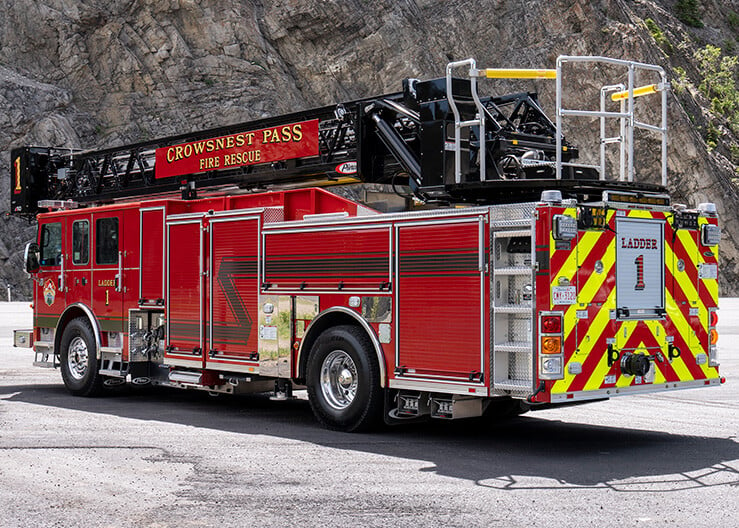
(233, 291)
(184, 294)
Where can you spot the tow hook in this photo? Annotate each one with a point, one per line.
(530, 398)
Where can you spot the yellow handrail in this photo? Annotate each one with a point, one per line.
(638, 92)
(495, 73)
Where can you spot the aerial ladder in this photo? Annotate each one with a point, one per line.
(438, 137)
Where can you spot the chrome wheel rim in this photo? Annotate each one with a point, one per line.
(77, 358)
(339, 379)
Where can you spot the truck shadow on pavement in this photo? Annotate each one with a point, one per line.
(524, 453)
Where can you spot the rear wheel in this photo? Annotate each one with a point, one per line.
(505, 409)
(343, 380)
(79, 362)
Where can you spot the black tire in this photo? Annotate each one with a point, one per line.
(343, 380)
(79, 362)
(506, 409)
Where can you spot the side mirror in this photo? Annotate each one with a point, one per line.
(31, 257)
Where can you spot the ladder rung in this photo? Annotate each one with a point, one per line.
(512, 309)
(514, 346)
(526, 270)
(512, 385)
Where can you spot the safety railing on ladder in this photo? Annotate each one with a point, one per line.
(474, 73)
(624, 93)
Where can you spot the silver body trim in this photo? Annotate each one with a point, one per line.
(93, 321)
(367, 328)
(439, 386)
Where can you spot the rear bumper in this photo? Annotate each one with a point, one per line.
(647, 388)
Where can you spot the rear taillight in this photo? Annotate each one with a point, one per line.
(551, 324)
(712, 337)
(551, 358)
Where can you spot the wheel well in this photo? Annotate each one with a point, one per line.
(73, 312)
(325, 321)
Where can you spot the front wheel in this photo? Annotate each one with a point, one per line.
(343, 380)
(79, 362)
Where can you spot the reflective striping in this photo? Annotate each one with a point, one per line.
(596, 342)
(687, 299)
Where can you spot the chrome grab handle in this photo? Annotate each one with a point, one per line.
(119, 275)
(61, 273)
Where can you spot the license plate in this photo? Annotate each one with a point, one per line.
(564, 295)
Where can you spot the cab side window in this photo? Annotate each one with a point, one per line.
(51, 244)
(81, 242)
(106, 241)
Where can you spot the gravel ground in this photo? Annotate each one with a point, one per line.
(166, 458)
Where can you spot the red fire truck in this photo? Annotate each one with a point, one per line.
(509, 278)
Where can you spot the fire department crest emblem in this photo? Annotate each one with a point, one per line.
(49, 292)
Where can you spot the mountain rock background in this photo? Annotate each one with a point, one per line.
(99, 73)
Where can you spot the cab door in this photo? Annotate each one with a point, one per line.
(107, 270)
(78, 268)
(49, 288)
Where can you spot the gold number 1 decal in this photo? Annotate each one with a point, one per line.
(107, 297)
(17, 165)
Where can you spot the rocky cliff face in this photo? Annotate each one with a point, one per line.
(94, 73)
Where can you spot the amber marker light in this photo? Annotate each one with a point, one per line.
(551, 345)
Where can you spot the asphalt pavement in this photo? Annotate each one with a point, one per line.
(157, 457)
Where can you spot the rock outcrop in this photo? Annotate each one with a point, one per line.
(98, 73)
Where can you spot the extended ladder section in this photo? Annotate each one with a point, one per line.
(440, 137)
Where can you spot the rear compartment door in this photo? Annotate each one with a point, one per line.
(440, 300)
(233, 298)
(640, 296)
(640, 268)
